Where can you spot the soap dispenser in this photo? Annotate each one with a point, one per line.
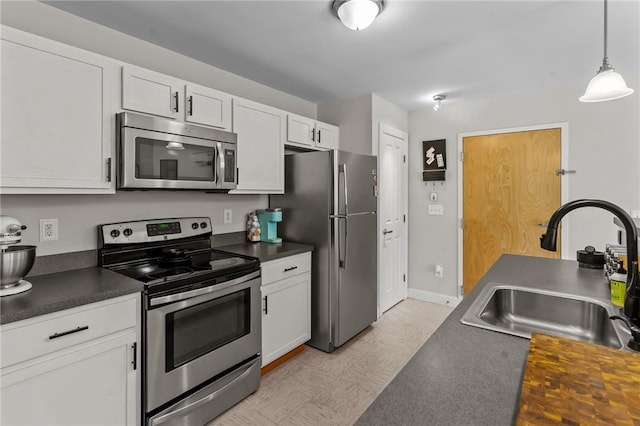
(618, 283)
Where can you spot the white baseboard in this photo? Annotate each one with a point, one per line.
(440, 299)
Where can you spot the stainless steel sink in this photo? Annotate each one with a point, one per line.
(520, 311)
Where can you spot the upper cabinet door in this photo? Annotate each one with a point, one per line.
(57, 117)
(300, 130)
(151, 92)
(208, 106)
(261, 133)
(327, 136)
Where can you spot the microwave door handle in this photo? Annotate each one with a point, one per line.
(215, 165)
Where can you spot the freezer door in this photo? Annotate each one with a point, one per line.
(356, 182)
(357, 290)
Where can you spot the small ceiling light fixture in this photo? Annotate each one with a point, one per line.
(357, 14)
(438, 99)
(607, 84)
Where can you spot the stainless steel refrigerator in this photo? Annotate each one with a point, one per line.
(330, 202)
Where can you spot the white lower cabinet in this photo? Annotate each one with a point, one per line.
(75, 367)
(286, 305)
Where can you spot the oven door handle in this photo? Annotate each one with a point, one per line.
(182, 412)
(199, 292)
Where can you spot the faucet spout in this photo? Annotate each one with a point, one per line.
(548, 241)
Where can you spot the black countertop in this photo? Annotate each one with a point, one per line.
(64, 290)
(464, 375)
(267, 251)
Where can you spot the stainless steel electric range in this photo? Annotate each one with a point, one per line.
(201, 316)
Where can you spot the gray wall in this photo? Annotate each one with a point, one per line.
(78, 215)
(353, 116)
(604, 148)
(359, 119)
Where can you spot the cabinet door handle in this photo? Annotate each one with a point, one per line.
(66, 333)
(109, 169)
(134, 354)
(177, 101)
(266, 305)
(290, 269)
(318, 136)
(313, 135)
(190, 105)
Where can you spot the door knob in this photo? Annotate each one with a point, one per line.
(385, 232)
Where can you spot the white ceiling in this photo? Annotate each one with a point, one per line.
(414, 50)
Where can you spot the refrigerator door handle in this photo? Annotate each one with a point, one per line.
(342, 168)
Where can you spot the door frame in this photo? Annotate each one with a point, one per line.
(404, 136)
(564, 185)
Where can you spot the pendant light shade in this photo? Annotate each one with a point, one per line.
(357, 14)
(607, 85)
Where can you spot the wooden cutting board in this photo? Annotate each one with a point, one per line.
(573, 383)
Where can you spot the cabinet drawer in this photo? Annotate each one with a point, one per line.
(64, 329)
(290, 266)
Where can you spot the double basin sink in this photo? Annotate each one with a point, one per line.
(520, 311)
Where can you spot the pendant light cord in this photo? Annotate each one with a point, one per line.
(605, 32)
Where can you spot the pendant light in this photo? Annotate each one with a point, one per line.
(357, 14)
(607, 84)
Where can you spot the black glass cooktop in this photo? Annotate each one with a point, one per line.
(179, 265)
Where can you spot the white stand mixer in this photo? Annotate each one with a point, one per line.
(15, 261)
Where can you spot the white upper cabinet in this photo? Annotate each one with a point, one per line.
(308, 133)
(261, 135)
(151, 92)
(57, 117)
(208, 106)
(301, 130)
(154, 93)
(327, 135)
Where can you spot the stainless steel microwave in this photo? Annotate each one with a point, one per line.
(159, 153)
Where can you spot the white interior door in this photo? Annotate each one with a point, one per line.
(392, 217)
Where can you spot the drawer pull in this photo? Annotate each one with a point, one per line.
(290, 269)
(65, 333)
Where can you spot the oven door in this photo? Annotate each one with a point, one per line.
(156, 160)
(191, 337)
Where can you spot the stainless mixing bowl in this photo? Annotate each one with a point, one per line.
(15, 263)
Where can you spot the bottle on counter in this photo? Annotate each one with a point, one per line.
(618, 283)
(253, 228)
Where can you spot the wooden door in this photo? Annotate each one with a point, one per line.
(510, 188)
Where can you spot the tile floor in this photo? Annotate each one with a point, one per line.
(316, 388)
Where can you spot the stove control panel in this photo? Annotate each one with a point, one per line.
(145, 231)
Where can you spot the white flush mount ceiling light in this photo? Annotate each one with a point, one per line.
(357, 14)
(438, 99)
(607, 85)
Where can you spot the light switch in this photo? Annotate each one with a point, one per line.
(436, 209)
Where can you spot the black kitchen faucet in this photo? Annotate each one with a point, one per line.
(631, 310)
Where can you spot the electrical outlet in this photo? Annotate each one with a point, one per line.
(436, 209)
(48, 229)
(228, 215)
(439, 271)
